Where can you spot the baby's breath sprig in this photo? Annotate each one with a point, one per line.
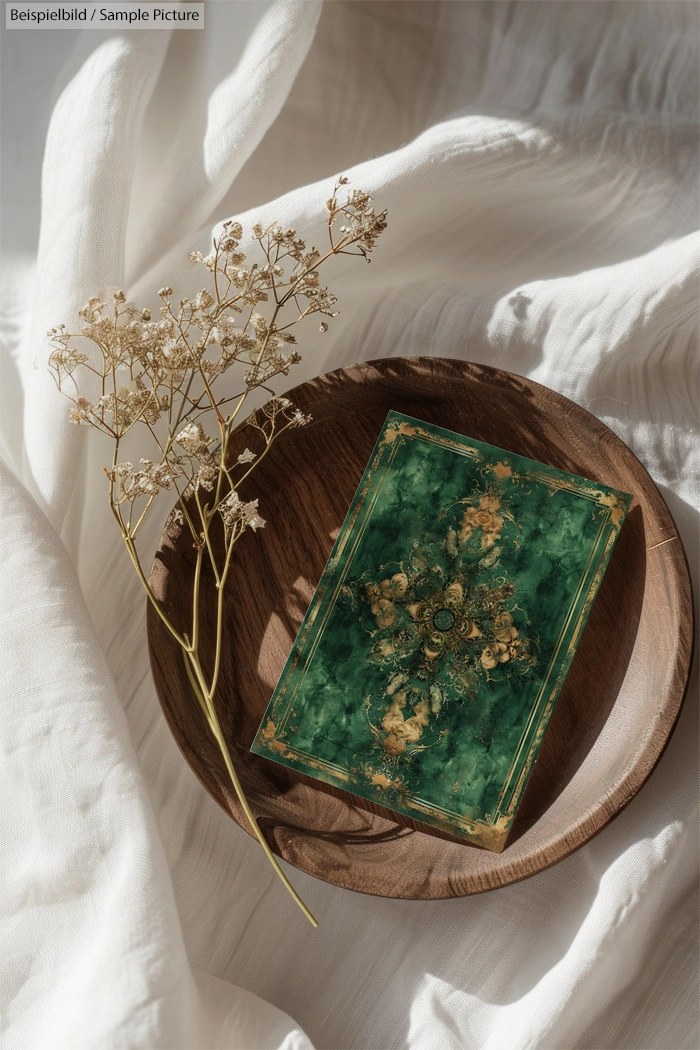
(160, 373)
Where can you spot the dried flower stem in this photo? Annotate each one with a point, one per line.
(170, 368)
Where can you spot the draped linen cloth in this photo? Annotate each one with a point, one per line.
(539, 164)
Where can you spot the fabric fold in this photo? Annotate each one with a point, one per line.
(539, 163)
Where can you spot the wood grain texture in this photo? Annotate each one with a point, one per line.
(620, 700)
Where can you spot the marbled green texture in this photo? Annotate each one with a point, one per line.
(452, 742)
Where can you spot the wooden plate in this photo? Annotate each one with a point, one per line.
(622, 695)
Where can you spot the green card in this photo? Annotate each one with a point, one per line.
(434, 649)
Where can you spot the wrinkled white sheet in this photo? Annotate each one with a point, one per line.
(539, 163)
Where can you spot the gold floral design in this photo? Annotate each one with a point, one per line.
(507, 644)
(401, 731)
(381, 598)
(438, 613)
(485, 518)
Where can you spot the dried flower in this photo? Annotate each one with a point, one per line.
(234, 512)
(67, 360)
(160, 374)
(299, 419)
(131, 484)
(193, 439)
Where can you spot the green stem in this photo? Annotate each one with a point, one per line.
(219, 737)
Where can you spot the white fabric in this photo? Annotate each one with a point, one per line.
(539, 164)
